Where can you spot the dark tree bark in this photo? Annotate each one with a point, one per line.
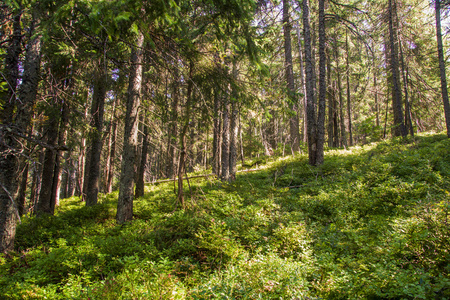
(225, 162)
(310, 83)
(437, 9)
(331, 108)
(112, 155)
(343, 141)
(399, 125)
(11, 70)
(183, 136)
(9, 161)
(173, 128)
(294, 131)
(377, 105)
(302, 84)
(125, 202)
(27, 93)
(349, 102)
(139, 191)
(96, 137)
(109, 163)
(234, 128)
(62, 136)
(322, 86)
(45, 205)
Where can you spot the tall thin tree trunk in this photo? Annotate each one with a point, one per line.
(225, 174)
(139, 191)
(377, 105)
(302, 84)
(216, 135)
(408, 122)
(62, 136)
(234, 127)
(322, 86)
(399, 125)
(183, 135)
(125, 201)
(437, 9)
(44, 205)
(11, 70)
(310, 84)
(294, 131)
(331, 107)
(96, 140)
(173, 128)
(349, 107)
(343, 141)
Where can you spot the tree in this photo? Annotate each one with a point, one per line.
(125, 202)
(399, 125)
(444, 92)
(289, 73)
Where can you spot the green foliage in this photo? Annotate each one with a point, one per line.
(371, 223)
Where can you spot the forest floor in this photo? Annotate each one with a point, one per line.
(371, 223)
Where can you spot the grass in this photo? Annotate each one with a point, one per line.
(371, 223)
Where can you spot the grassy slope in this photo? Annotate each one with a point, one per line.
(371, 223)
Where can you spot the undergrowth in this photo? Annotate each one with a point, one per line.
(370, 223)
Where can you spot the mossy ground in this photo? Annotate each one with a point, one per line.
(371, 223)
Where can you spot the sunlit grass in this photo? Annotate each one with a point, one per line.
(371, 222)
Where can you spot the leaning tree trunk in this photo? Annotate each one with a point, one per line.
(125, 202)
(288, 67)
(437, 7)
(310, 83)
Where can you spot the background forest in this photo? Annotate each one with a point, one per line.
(324, 106)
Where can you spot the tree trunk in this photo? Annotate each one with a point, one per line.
(331, 107)
(399, 126)
(294, 131)
(225, 174)
(322, 86)
(343, 141)
(302, 84)
(112, 155)
(173, 128)
(11, 70)
(234, 127)
(45, 205)
(437, 8)
(183, 135)
(62, 136)
(310, 83)
(96, 136)
(349, 107)
(139, 191)
(125, 202)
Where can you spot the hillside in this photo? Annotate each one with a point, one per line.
(370, 223)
